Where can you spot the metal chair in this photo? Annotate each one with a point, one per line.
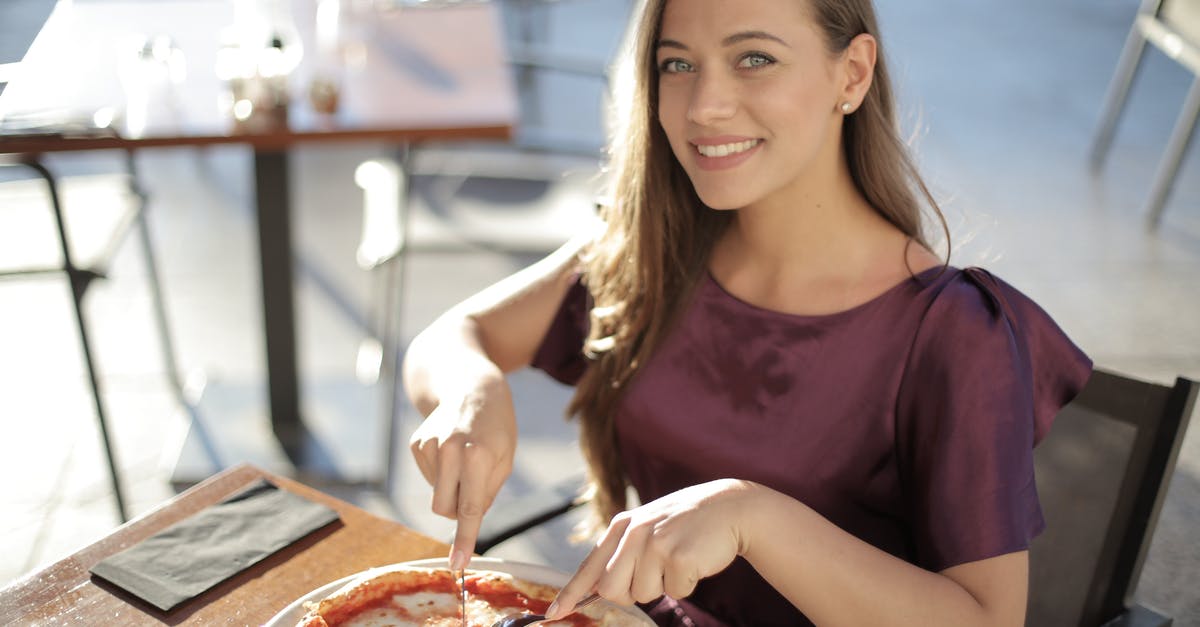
(530, 55)
(386, 242)
(1172, 26)
(80, 275)
(381, 253)
(387, 186)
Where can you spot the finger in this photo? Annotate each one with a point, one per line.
(424, 452)
(497, 475)
(679, 580)
(616, 584)
(647, 580)
(583, 582)
(473, 500)
(445, 489)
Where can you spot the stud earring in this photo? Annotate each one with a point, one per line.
(846, 108)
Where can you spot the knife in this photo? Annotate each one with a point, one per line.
(462, 594)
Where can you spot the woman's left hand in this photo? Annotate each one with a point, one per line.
(663, 547)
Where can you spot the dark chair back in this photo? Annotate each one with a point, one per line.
(1102, 474)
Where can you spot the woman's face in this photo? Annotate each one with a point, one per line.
(748, 97)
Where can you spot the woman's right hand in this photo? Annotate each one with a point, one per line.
(454, 374)
(465, 451)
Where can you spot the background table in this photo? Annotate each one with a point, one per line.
(415, 74)
(65, 594)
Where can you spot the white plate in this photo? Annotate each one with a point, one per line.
(290, 615)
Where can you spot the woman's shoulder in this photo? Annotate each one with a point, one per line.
(975, 298)
(976, 324)
(963, 307)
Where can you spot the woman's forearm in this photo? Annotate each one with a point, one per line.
(837, 579)
(497, 330)
(447, 361)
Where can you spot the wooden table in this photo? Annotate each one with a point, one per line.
(65, 594)
(414, 74)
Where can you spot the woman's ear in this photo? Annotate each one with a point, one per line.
(858, 64)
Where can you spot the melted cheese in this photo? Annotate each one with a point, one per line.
(382, 617)
(420, 609)
(428, 609)
(483, 614)
(427, 603)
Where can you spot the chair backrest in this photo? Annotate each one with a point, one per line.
(1102, 474)
(1183, 16)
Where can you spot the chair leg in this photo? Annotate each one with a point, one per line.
(369, 362)
(392, 318)
(79, 280)
(1181, 137)
(156, 294)
(114, 475)
(1118, 93)
(525, 74)
(390, 369)
(383, 190)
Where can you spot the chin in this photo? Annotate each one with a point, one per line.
(724, 206)
(723, 199)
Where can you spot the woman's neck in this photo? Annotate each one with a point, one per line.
(819, 250)
(809, 227)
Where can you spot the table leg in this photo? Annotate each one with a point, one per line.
(307, 457)
(279, 319)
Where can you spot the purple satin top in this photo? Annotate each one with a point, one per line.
(908, 421)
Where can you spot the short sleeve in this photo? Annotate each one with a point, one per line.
(560, 354)
(987, 373)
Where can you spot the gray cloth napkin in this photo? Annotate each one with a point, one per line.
(211, 546)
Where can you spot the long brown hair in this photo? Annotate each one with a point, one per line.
(658, 233)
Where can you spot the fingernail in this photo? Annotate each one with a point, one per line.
(458, 560)
(552, 611)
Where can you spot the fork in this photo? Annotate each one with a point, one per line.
(521, 620)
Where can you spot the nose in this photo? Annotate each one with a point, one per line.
(712, 99)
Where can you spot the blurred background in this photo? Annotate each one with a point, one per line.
(1002, 99)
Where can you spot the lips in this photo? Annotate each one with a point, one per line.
(719, 153)
(724, 150)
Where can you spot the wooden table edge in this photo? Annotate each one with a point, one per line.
(279, 140)
(18, 598)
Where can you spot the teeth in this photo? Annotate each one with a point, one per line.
(724, 150)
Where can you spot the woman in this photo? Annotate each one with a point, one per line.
(825, 422)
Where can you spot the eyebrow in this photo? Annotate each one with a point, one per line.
(728, 41)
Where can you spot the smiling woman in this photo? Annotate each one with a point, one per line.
(823, 421)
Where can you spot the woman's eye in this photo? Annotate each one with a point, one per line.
(754, 60)
(674, 66)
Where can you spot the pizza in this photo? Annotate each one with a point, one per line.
(429, 597)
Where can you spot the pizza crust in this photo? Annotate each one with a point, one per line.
(427, 597)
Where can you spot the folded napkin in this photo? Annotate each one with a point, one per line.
(203, 550)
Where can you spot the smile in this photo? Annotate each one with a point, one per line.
(725, 153)
(725, 150)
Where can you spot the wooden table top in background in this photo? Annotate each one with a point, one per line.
(416, 73)
(408, 74)
(64, 593)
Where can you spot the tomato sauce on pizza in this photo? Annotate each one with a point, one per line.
(428, 597)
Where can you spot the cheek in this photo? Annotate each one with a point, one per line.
(672, 119)
(799, 117)
(792, 104)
